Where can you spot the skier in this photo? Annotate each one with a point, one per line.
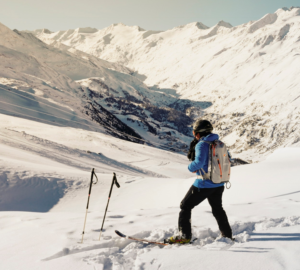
(201, 189)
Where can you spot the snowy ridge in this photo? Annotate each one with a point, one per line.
(248, 73)
(49, 72)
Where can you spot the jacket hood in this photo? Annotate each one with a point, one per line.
(210, 137)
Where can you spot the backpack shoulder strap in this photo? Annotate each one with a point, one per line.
(208, 142)
(212, 145)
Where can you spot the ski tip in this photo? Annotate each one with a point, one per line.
(120, 234)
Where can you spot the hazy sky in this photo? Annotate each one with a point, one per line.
(149, 14)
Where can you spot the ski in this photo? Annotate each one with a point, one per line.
(146, 241)
(139, 240)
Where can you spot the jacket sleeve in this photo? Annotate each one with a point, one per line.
(201, 150)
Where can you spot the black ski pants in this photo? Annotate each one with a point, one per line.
(194, 197)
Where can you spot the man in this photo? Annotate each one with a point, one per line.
(201, 189)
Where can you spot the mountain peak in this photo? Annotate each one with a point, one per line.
(136, 27)
(292, 11)
(4, 29)
(224, 24)
(201, 25)
(86, 30)
(292, 7)
(46, 31)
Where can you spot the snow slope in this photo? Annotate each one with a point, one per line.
(50, 139)
(245, 76)
(102, 96)
(45, 173)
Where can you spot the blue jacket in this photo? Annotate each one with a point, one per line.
(201, 161)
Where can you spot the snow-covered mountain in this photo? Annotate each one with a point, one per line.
(245, 78)
(93, 90)
(60, 104)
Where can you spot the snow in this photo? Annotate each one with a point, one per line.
(45, 173)
(244, 79)
(250, 69)
(81, 82)
(267, 19)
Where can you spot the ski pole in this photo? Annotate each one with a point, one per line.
(88, 201)
(114, 181)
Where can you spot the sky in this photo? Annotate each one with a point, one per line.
(149, 14)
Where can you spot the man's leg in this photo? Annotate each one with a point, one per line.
(215, 201)
(193, 197)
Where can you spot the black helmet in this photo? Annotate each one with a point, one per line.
(202, 126)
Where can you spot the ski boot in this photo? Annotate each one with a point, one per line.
(177, 239)
(229, 237)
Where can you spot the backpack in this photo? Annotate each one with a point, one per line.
(218, 163)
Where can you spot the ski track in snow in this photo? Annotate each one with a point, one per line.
(118, 253)
(69, 156)
(46, 171)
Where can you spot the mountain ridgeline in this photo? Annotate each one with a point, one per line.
(243, 78)
(98, 94)
(152, 85)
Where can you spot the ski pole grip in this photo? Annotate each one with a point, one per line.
(91, 183)
(116, 181)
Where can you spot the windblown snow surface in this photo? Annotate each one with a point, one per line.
(45, 174)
